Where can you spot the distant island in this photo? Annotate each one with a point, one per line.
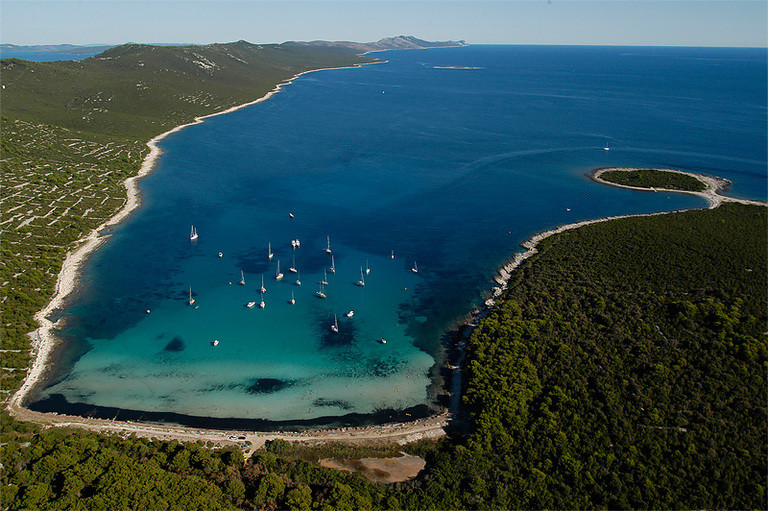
(401, 42)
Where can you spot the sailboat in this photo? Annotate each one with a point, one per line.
(361, 282)
(298, 279)
(278, 275)
(333, 265)
(269, 251)
(250, 305)
(328, 244)
(325, 278)
(415, 268)
(335, 325)
(319, 293)
(367, 269)
(262, 304)
(392, 255)
(193, 234)
(191, 300)
(242, 278)
(215, 342)
(292, 301)
(263, 289)
(350, 314)
(293, 269)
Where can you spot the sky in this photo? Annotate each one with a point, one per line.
(604, 22)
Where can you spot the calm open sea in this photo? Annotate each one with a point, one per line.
(449, 169)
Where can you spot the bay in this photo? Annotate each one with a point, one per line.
(446, 167)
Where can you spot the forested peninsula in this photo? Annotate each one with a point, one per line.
(623, 366)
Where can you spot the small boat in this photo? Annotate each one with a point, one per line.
(290, 215)
(350, 314)
(298, 279)
(293, 244)
(191, 300)
(269, 251)
(215, 342)
(261, 303)
(361, 282)
(332, 269)
(221, 255)
(335, 325)
(298, 243)
(242, 278)
(292, 301)
(293, 269)
(327, 244)
(392, 255)
(325, 278)
(193, 234)
(250, 305)
(367, 268)
(415, 268)
(606, 148)
(278, 275)
(263, 289)
(383, 341)
(148, 311)
(319, 293)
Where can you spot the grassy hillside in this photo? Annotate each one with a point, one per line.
(138, 91)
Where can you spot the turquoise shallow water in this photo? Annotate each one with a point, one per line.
(449, 168)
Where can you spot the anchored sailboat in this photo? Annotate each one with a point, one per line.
(367, 268)
(319, 293)
(415, 268)
(333, 265)
(193, 234)
(270, 255)
(292, 301)
(293, 269)
(361, 282)
(262, 304)
(242, 278)
(278, 275)
(325, 278)
(263, 289)
(298, 279)
(191, 300)
(335, 325)
(328, 244)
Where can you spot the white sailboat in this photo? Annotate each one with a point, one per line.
(278, 275)
(350, 314)
(193, 234)
(215, 342)
(250, 305)
(327, 244)
(319, 293)
(333, 265)
(335, 325)
(270, 255)
(293, 269)
(261, 303)
(361, 282)
(263, 289)
(325, 278)
(415, 268)
(292, 301)
(191, 300)
(367, 268)
(392, 254)
(242, 278)
(298, 279)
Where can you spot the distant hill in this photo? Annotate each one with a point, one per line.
(401, 42)
(65, 49)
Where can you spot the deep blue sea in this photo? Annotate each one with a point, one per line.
(397, 164)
